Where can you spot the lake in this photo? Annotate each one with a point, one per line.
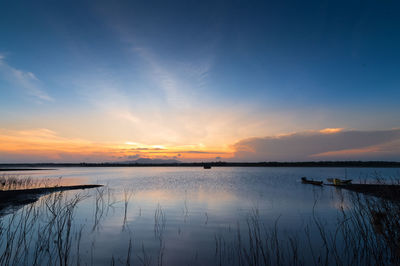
(181, 215)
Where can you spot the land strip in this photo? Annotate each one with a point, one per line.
(390, 192)
(19, 197)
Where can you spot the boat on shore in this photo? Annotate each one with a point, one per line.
(206, 166)
(304, 180)
(338, 181)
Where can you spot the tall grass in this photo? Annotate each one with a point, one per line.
(367, 234)
(39, 234)
(159, 228)
(47, 233)
(11, 182)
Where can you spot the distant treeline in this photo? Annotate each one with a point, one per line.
(215, 164)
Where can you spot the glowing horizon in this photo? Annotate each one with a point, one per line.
(46, 146)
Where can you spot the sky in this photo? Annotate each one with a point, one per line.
(99, 81)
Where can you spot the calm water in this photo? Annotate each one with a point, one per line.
(177, 216)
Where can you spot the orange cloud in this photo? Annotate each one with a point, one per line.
(331, 130)
(326, 144)
(45, 145)
(348, 152)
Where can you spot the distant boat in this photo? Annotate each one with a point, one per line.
(304, 180)
(338, 182)
(206, 166)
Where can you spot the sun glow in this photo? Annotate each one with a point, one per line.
(331, 130)
(44, 145)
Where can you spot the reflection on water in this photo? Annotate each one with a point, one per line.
(177, 216)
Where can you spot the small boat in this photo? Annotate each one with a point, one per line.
(206, 166)
(304, 180)
(338, 182)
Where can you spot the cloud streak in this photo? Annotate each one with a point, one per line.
(23, 79)
(322, 145)
(334, 144)
(45, 145)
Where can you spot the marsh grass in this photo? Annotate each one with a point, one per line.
(159, 229)
(39, 234)
(367, 234)
(47, 233)
(12, 182)
(100, 207)
(128, 193)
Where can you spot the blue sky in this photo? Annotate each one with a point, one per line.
(195, 73)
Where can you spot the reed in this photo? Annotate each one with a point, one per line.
(12, 182)
(128, 193)
(46, 233)
(367, 234)
(159, 228)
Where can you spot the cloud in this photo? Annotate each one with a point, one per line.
(326, 144)
(24, 80)
(132, 157)
(166, 80)
(331, 130)
(45, 145)
(203, 152)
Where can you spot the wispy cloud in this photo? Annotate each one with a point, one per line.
(165, 79)
(24, 80)
(328, 144)
(175, 79)
(182, 82)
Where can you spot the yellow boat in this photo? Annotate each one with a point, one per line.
(339, 182)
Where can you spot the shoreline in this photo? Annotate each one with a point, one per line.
(25, 169)
(384, 191)
(19, 197)
(348, 164)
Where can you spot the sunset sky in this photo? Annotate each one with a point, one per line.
(103, 81)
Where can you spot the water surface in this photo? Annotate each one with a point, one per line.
(179, 215)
